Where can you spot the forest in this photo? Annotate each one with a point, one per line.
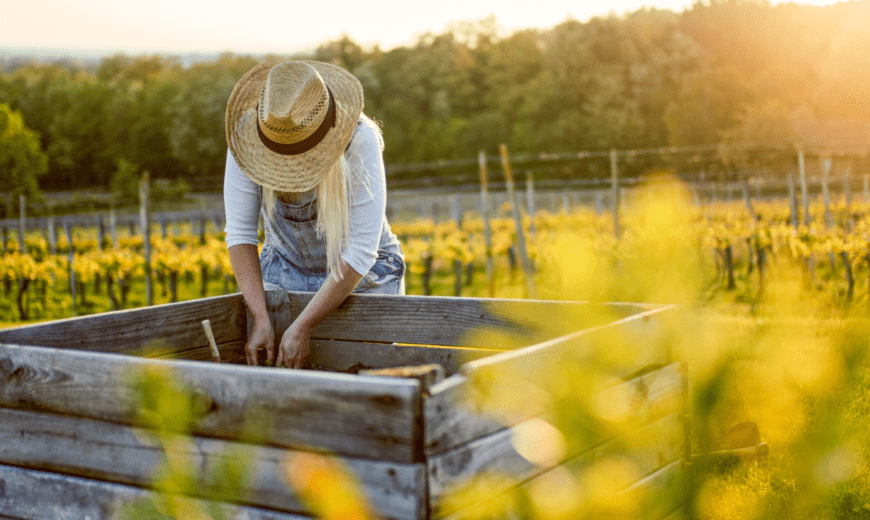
(720, 71)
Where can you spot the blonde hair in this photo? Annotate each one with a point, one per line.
(334, 194)
(333, 212)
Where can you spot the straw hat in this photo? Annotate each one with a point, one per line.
(286, 124)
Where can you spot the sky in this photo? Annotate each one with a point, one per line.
(272, 26)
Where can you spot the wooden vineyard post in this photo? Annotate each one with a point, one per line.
(802, 170)
(217, 221)
(7, 282)
(748, 201)
(51, 240)
(101, 243)
(729, 265)
(826, 194)
(521, 239)
(22, 247)
(110, 276)
(530, 201)
(614, 180)
(427, 269)
(52, 237)
(101, 233)
(201, 230)
(826, 172)
(484, 213)
(113, 225)
(847, 264)
(456, 210)
(695, 197)
(72, 273)
(759, 248)
(203, 269)
(803, 178)
(144, 221)
(744, 186)
(847, 189)
(792, 202)
(23, 282)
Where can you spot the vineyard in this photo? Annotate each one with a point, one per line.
(737, 245)
(777, 341)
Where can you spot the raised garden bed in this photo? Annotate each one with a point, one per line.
(75, 444)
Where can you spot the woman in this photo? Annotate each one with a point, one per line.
(302, 154)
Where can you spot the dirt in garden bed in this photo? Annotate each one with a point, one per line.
(239, 359)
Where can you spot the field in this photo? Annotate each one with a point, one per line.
(774, 325)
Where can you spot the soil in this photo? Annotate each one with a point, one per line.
(239, 359)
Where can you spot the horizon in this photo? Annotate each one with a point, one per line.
(98, 29)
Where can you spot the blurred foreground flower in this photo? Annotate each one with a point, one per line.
(328, 489)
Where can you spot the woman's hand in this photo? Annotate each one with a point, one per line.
(246, 267)
(262, 337)
(294, 347)
(295, 343)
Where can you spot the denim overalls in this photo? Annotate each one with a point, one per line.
(294, 257)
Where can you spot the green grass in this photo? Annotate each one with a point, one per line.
(796, 365)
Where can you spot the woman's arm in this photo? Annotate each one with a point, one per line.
(245, 261)
(294, 347)
(242, 209)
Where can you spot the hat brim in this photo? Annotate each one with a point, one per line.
(293, 173)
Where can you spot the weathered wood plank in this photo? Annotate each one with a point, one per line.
(346, 355)
(453, 411)
(228, 351)
(150, 330)
(128, 455)
(620, 348)
(659, 493)
(342, 355)
(452, 321)
(356, 416)
(38, 495)
(455, 414)
(647, 449)
(645, 397)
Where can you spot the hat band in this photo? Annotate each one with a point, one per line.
(306, 144)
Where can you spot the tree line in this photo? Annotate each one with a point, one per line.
(720, 70)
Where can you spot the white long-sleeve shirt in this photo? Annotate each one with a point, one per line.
(368, 199)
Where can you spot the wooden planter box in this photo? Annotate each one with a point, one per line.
(73, 445)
